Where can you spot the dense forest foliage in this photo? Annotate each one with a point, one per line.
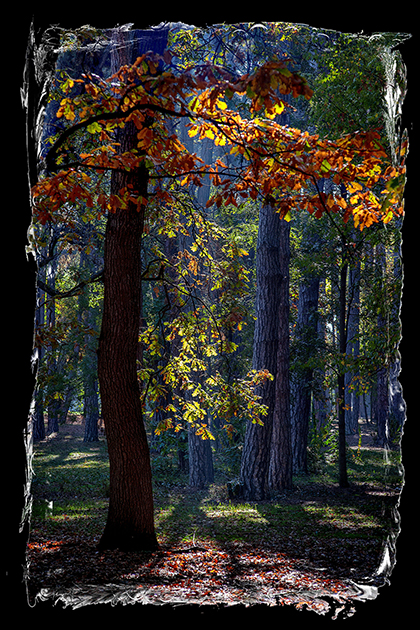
(267, 165)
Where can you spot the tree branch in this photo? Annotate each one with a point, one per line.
(97, 277)
(50, 159)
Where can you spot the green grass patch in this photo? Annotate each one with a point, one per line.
(70, 490)
(70, 469)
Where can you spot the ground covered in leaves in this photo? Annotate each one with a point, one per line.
(317, 547)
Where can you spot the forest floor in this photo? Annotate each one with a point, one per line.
(317, 547)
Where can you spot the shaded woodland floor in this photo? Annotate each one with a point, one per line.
(318, 546)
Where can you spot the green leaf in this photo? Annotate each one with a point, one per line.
(250, 92)
(285, 72)
(94, 128)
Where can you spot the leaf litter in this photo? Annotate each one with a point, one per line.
(307, 550)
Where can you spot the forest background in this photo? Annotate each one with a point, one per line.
(26, 341)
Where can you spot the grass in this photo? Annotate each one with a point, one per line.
(70, 490)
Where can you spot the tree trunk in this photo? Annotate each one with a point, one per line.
(200, 460)
(256, 451)
(281, 459)
(353, 347)
(130, 518)
(54, 403)
(130, 522)
(91, 409)
(320, 392)
(342, 464)
(38, 424)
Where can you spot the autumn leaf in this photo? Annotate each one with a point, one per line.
(94, 128)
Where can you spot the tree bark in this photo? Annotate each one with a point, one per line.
(200, 460)
(256, 452)
(130, 522)
(130, 518)
(281, 459)
(353, 347)
(91, 409)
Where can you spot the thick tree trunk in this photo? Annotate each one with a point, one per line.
(256, 452)
(281, 459)
(397, 407)
(130, 522)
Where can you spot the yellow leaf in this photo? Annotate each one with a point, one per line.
(274, 111)
(330, 201)
(209, 134)
(354, 187)
(221, 104)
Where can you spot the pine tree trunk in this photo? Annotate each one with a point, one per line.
(200, 460)
(256, 451)
(91, 409)
(281, 458)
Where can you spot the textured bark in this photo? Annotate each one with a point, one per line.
(200, 459)
(397, 407)
(130, 522)
(281, 460)
(130, 516)
(258, 438)
(91, 410)
(353, 347)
